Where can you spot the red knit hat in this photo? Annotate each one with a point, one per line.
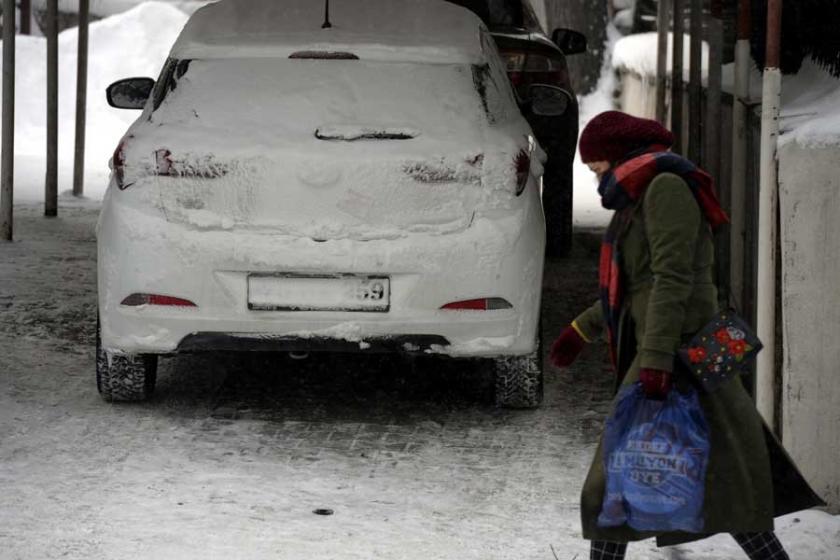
(612, 135)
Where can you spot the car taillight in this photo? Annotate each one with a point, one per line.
(135, 300)
(525, 68)
(118, 165)
(201, 167)
(522, 164)
(163, 162)
(443, 172)
(482, 304)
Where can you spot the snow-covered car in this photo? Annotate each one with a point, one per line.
(362, 181)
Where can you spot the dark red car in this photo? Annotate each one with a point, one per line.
(534, 58)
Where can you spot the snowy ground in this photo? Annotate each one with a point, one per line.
(235, 453)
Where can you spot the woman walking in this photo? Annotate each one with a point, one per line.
(657, 290)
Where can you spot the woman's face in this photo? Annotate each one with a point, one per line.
(599, 167)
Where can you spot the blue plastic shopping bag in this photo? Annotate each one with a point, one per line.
(655, 459)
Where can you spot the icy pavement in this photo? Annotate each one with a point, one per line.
(234, 453)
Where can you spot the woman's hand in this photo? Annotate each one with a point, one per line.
(656, 383)
(566, 348)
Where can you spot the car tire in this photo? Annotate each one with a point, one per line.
(124, 377)
(557, 205)
(519, 380)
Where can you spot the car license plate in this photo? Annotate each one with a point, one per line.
(294, 292)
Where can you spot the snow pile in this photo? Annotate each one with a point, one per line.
(588, 211)
(134, 43)
(638, 54)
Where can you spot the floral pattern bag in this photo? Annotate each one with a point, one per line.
(720, 350)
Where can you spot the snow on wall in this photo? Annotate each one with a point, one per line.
(810, 99)
(637, 53)
(133, 43)
(810, 108)
(809, 190)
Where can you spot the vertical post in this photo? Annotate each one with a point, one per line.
(713, 118)
(51, 180)
(662, 27)
(677, 76)
(695, 84)
(7, 160)
(25, 17)
(767, 201)
(81, 99)
(739, 153)
(713, 139)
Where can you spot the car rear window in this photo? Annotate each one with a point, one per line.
(302, 96)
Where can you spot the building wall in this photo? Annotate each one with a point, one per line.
(539, 9)
(809, 188)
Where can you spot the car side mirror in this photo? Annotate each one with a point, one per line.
(130, 93)
(569, 41)
(548, 101)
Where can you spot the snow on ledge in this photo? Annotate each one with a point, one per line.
(810, 108)
(637, 53)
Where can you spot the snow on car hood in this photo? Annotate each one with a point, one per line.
(324, 148)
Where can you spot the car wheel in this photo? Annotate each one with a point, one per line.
(557, 205)
(519, 380)
(124, 377)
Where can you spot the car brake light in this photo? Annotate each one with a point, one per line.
(205, 168)
(522, 163)
(135, 300)
(482, 304)
(163, 162)
(518, 61)
(525, 68)
(118, 164)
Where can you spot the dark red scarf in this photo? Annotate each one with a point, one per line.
(620, 189)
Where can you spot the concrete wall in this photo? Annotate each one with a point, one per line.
(539, 9)
(809, 187)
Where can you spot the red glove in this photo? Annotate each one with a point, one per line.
(655, 382)
(566, 348)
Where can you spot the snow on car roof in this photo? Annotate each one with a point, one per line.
(406, 31)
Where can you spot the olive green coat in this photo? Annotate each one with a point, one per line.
(667, 256)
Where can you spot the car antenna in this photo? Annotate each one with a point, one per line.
(327, 23)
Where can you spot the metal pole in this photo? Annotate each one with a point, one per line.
(81, 100)
(51, 181)
(695, 84)
(25, 17)
(7, 160)
(662, 26)
(711, 150)
(713, 129)
(739, 153)
(677, 76)
(767, 201)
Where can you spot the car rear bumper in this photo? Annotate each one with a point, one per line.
(141, 252)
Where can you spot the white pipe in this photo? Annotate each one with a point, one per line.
(768, 196)
(739, 169)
